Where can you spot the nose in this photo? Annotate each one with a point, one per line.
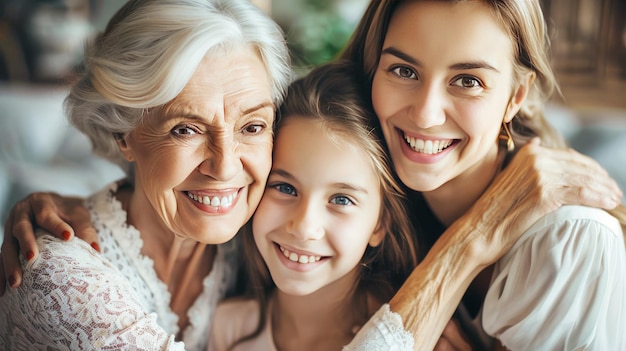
(428, 107)
(305, 222)
(222, 160)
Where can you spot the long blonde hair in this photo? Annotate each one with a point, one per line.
(525, 25)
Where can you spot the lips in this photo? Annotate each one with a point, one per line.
(300, 258)
(223, 200)
(427, 146)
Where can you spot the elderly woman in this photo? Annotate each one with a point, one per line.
(187, 107)
(182, 94)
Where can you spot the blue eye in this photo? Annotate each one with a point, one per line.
(341, 200)
(285, 188)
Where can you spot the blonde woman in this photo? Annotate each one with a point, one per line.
(458, 88)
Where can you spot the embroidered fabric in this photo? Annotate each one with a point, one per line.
(384, 331)
(74, 298)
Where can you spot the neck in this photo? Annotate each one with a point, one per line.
(451, 200)
(324, 320)
(181, 263)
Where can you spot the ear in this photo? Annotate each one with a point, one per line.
(377, 236)
(122, 144)
(519, 96)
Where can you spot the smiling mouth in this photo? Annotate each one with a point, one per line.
(429, 147)
(303, 259)
(214, 201)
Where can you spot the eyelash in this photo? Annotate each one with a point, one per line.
(394, 70)
(178, 128)
(477, 82)
(342, 197)
(413, 75)
(281, 186)
(259, 128)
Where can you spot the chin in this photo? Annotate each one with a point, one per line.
(296, 289)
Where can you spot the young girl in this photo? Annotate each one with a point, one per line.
(458, 87)
(331, 227)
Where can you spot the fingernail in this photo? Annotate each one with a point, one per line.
(29, 255)
(11, 281)
(66, 235)
(95, 246)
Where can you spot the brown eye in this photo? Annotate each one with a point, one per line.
(184, 130)
(467, 82)
(404, 72)
(253, 129)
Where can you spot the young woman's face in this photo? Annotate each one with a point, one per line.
(202, 161)
(441, 90)
(320, 209)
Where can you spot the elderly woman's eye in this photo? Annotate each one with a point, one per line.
(253, 128)
(184, 130)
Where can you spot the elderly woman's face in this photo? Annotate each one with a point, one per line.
(202, 161)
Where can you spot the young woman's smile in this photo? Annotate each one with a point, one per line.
(442, 99)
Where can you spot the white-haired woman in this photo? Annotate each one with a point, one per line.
(182, 95)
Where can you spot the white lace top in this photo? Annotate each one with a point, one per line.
(74, 298)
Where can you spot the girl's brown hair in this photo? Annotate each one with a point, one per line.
(332, 95)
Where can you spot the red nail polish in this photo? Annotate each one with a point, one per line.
(95, 246)
(11, 281)
(66, 235)
(29, 255)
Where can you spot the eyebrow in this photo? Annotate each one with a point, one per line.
(182, 111)
(347, 186)
(260, 106)
(477, 64)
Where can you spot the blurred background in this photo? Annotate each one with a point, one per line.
(41, 43)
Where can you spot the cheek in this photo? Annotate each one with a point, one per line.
(258, 159)
(264, 218)
(480, 121)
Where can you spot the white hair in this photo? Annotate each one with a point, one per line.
(148, 53)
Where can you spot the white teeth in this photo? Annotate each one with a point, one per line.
(304, 259)
(429, 147)
(214, 201)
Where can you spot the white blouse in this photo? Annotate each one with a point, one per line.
(74, 298)
(560, 287)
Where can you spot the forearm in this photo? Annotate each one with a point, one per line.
(432, 292)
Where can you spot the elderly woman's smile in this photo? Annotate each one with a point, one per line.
(203, 159)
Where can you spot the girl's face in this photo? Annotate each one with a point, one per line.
(202, 161)
(441, 92)
(320, 209)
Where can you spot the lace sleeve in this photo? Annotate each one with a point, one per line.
(72, 298)
(384, 331)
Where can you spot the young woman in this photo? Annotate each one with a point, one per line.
(458, 87)
(331, 230)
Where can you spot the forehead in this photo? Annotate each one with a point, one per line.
(234, 79)
(309, 146)
(438, 27)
